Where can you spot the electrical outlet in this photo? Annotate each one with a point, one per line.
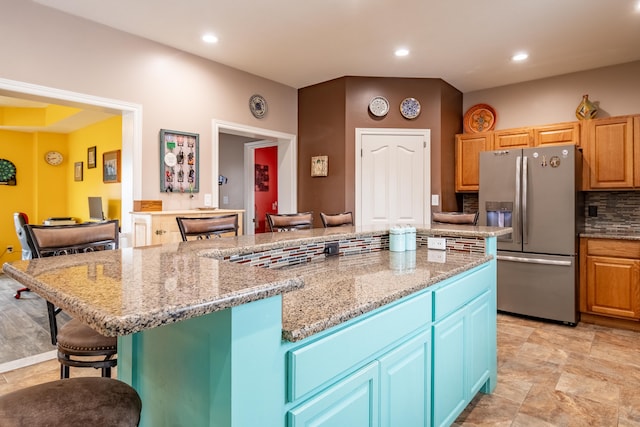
(9, 249)
(331, 248)
(439, 243)
(437, 256)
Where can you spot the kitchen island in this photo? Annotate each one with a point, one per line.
(266, 330)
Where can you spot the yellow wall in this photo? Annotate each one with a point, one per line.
(44, 191)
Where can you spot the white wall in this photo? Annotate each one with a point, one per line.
(553, 100)
(177, 90)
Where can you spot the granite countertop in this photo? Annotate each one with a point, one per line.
(341, 288)
(128, 290)
(612, 234)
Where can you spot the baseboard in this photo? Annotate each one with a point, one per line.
(27, 361)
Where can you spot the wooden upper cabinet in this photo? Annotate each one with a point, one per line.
(557, 134)
(609, 153)
(512, 138)
(468, 148)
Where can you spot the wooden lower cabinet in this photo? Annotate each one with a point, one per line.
(156, 228)
(610, 278)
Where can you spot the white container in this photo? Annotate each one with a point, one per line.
(410, 238)
(396, 239)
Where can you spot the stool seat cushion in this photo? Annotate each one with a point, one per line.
(75, 336)
(85, 401)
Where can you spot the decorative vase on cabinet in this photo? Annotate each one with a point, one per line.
(586, 109)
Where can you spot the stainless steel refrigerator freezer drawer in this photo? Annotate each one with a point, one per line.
(537, 285)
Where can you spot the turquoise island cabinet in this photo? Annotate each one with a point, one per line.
(268, 331)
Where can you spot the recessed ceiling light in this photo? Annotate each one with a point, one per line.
(210, 38)
(518, 57)
(402, 52)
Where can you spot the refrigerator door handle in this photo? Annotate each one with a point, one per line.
(534, 260)
(516, 215)
(525, 185)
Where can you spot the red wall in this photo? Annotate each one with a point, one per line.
(265, 200)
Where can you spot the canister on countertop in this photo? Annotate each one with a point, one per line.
(396, 239)
(410, 238)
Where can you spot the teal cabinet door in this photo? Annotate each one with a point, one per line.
(461, 358)
(350, 402)
(449, 391)
(405, 384)
(479, 341)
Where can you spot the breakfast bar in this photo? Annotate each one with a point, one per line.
(271, 330)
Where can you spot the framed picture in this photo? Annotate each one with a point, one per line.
(111, 166)
(77, 171)
(319, 166)
(262, 177)
(91, 157)
(179, 161)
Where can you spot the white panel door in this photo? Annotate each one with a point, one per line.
(394, 184)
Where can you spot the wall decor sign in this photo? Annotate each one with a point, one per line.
(262, 178)
(179, 161)
(77, 171)
(111, 167)
(320, 166)
(91, 157)
(7, 172)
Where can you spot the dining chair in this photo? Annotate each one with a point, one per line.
(83, 401)
(290, 222)
(205, 228)
(336, 220)
(78, 344)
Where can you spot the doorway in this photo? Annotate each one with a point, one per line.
(262, 158)
(393, 184)
(287, 166)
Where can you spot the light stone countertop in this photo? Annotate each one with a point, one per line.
(128, 290)
(612, 234)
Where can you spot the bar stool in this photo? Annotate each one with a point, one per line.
(336, 220)
(290, 222)
(84, 401)
(205, 228)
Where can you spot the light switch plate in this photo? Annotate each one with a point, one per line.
(207, 199)
(435, 200)
(439, 243)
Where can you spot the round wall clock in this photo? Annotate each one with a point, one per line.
(54, 158)
(258, 106)
(379, 106)
(410, 108)
(7, 172)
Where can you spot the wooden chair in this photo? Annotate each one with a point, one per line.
(290, 222)
(336, 220)
(205, 228)
(84, 401)
(78, 344)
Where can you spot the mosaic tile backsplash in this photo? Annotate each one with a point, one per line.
(618, 211)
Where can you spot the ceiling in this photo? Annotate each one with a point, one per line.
(467, 43)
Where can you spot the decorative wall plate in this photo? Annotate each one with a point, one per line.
(258, 106)
(170, 159)
(379, 106)
(410, 108)
(479, 118)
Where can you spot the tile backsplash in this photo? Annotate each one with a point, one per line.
(617, 211)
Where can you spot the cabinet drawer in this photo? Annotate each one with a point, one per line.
(317, 363)
(614, 248)
(451, 296)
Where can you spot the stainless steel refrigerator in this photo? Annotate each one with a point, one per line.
(536, 192)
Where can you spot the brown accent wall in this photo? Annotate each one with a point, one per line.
(329, 113)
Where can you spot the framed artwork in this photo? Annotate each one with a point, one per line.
(179, 161)
(77, 171)
(320, 166)
(91, 157)
(111, 167)
(262, 178)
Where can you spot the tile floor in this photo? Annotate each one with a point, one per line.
(548, 375)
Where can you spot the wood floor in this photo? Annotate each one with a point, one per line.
(548, 374)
